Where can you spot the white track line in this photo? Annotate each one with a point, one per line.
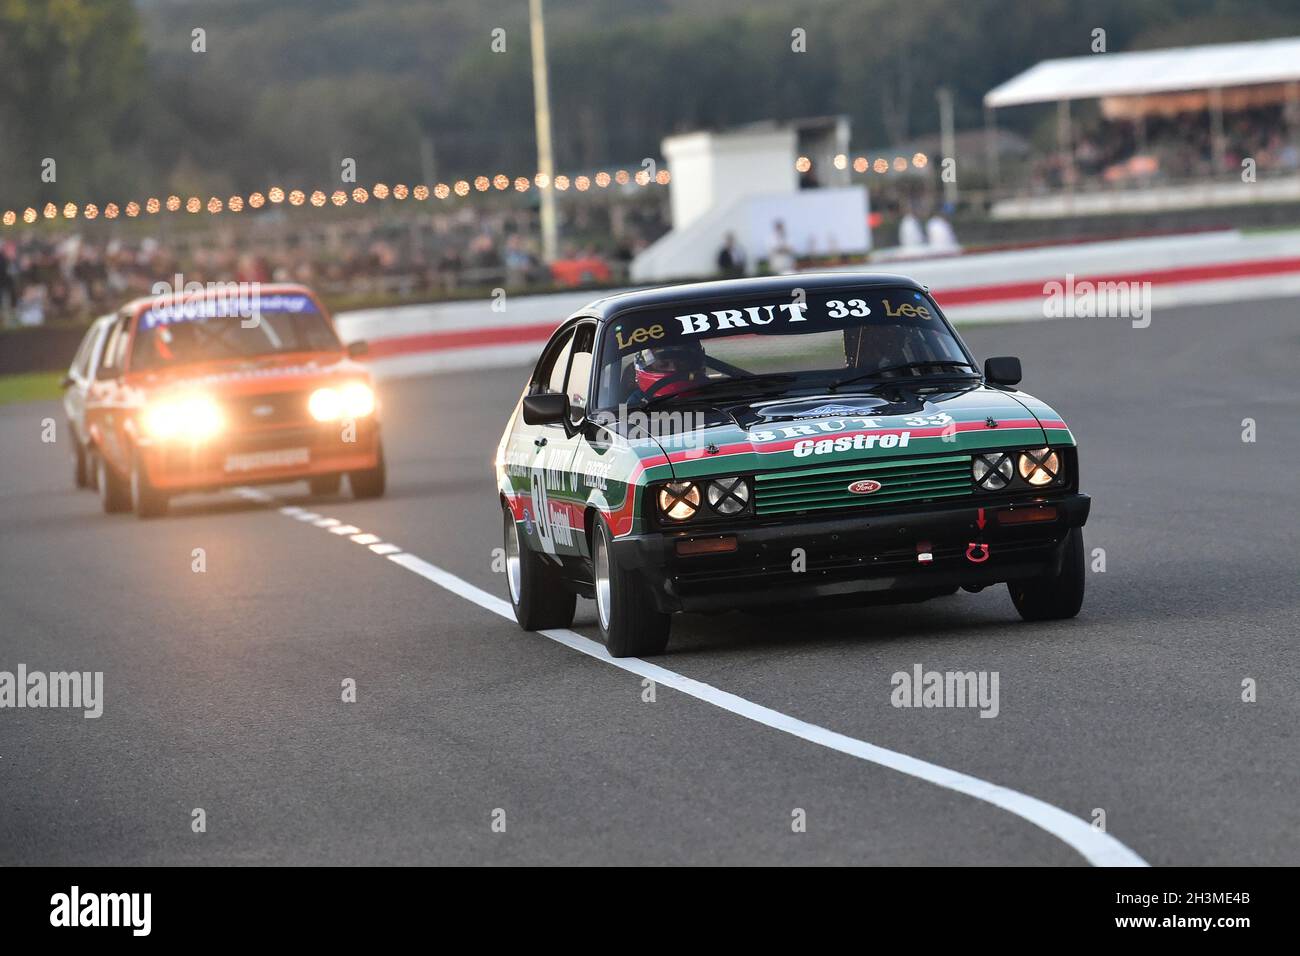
(1097, 847)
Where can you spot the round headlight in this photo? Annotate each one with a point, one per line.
(358, 400)
(679, 500)
(1039, 466)
(196, 418)
(992, 472)
(163, 420)
(203, 418)
(728, 496)
(325, 405)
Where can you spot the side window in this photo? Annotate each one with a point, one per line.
(95, 357)
(115, 347)
(579, 381)
(549, 375)
(81, 363)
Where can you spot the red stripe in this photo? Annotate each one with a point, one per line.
(787, 444)
(461, 339)
(1205, 273)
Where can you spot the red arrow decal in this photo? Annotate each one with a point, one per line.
(980, 520)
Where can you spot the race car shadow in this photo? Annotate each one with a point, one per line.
(197, 506)
(781, 627)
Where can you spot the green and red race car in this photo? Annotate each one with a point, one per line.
(732, 444)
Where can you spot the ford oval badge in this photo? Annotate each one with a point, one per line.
(864, 486)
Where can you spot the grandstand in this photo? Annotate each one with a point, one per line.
(1166, 129)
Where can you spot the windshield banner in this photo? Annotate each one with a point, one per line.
(238, 305)
(833, 311)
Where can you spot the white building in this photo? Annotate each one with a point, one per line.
(742, 181)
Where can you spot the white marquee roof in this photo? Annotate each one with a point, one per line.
(1152, 71)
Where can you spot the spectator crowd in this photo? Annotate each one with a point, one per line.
(48, 276)
(1170, 148)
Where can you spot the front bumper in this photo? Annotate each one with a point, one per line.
(260, 456)
(860, 558)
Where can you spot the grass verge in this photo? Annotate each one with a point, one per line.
(29, 387)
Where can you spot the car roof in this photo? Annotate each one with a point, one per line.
(216, 290)
(781, 287)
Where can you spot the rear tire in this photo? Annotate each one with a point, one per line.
(81, 466)
(538, 595)
(371, 482)
(114, 493)
(630, 625)
(1053, 597)
(146, 500)
(325, 484)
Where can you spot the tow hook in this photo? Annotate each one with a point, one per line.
(977, 552)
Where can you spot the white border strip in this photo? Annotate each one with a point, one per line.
(1096, 846)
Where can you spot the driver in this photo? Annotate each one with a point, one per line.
(876, 346)
(178, 341)
(680, 366)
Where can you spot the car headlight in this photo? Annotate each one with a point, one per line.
(1039, 466)
(679, 500)
(993, 471)
(728, 496)
(196, 418)
(353, 400)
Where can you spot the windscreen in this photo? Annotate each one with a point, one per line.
(686, 352)
(204, 330)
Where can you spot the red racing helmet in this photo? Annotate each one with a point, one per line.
(684, 362)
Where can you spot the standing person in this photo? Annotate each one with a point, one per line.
(780, 257)
(910, 234)
(940, 234)
(731, 258)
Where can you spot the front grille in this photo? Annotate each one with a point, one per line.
(818, 489)
(272, 408)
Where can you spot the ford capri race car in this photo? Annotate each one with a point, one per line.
(202, 391)
(765, 441)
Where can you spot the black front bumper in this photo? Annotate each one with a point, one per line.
(858, 558)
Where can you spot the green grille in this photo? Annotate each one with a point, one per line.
(907, 480)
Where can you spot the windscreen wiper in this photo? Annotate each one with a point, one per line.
(875, 376)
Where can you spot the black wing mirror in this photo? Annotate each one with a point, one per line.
(358, 348)
(1002, 370)
(550, 408)
(66, 382)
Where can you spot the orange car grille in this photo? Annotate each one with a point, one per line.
(261, 411)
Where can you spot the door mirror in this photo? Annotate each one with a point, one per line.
(358, 348)
(66, 382)
(1002, 370)
(550, 408)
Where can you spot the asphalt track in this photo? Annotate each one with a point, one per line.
(222, 688)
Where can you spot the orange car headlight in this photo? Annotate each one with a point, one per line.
(353, 400)
(196, 418)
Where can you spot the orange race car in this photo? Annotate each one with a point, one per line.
(235, 385)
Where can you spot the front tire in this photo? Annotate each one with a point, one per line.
(539, 597)
(371, 482)
(630, 625)
(1053, 597)
(114, 493)
(146, 500)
